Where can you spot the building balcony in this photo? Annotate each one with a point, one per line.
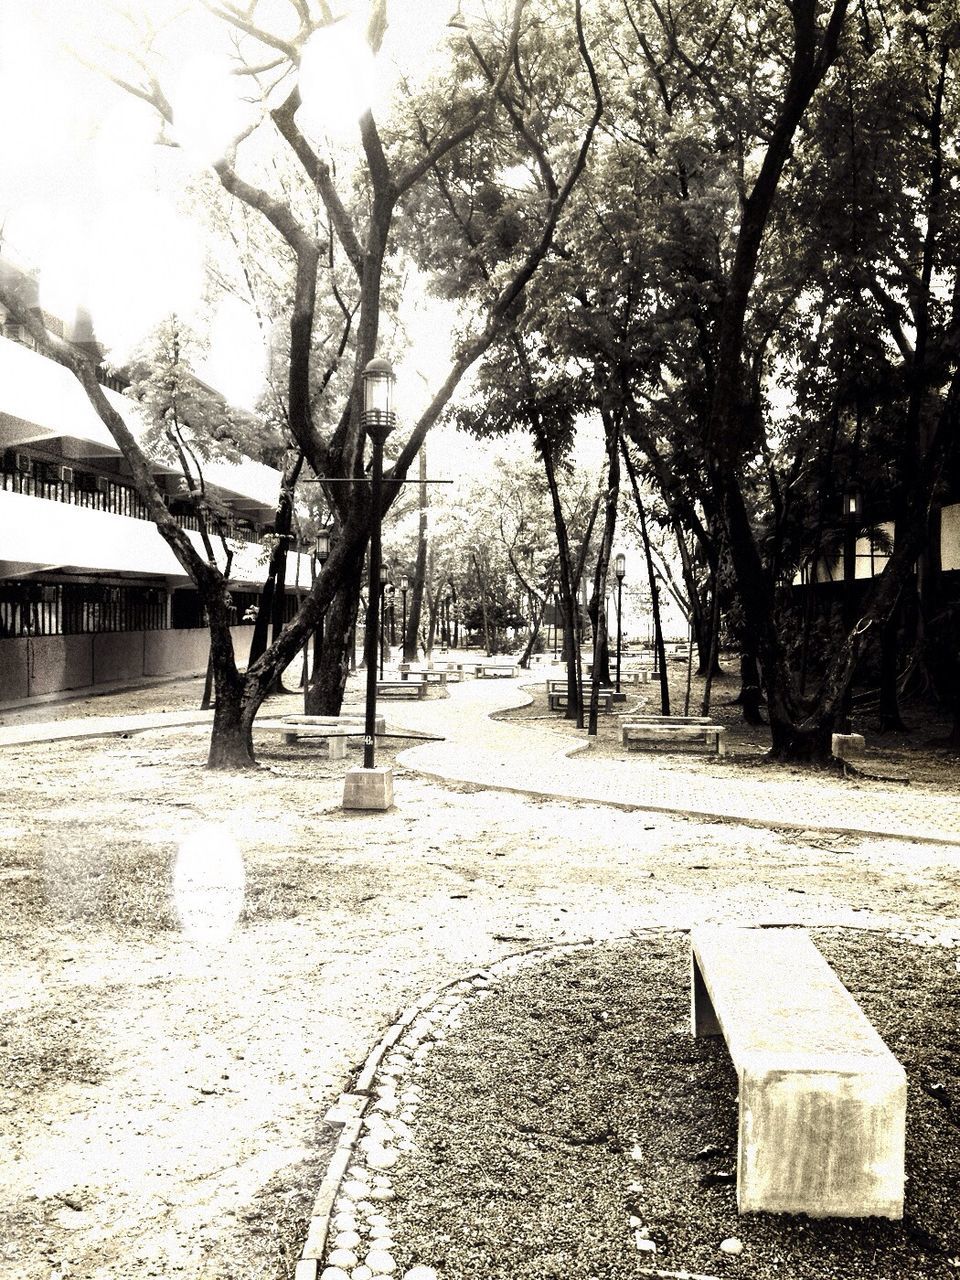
(40, 536)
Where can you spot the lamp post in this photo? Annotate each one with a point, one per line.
(383, 598)
(366, 788)
(852, 511)
(321, 550)
(620, 569)
(404, 588)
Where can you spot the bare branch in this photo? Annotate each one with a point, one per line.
(319, 174)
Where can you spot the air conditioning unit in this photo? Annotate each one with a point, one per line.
(15, 461)
(102, 484)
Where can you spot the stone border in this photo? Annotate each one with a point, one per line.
(353, 1104)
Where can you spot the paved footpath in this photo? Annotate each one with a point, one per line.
(15, 735)
(553, 759)
(536, 759)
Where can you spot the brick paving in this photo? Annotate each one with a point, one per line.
(536, 759)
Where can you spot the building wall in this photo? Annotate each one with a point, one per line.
(36, 665)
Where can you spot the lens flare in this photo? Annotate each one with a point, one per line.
(208, 884)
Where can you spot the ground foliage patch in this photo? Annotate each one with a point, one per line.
(574, 1099)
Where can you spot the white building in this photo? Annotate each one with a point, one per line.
(89, 591)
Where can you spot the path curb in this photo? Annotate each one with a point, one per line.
(352, 1104)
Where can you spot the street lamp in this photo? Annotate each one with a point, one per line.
(383, 598)
(321, 551)
(366, 789)
(620, 569)
(404, 588)
(852, 512)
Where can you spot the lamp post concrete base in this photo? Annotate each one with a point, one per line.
(368, 788)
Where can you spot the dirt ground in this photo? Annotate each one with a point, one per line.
(163, 1084)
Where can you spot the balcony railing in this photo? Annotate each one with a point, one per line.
(104, 494)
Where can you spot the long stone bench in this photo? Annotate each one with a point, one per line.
(493, 670)
(636, 732)
(350, 724)
(557, 700)
(401, 689)
(637, 676)
(429, 675)
(822, 1099)
(336, 741)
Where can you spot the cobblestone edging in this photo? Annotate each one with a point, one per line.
(348, 1236)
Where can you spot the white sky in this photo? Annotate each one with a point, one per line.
(88, 199)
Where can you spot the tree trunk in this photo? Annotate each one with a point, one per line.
(750, 697)
(536, 621)
(712, 665)
(659, 650)
(325, 696)
(889, 710)
(566, 582)
(484, 606)
(411, 638)
(434, 606)
(270, 612)
(231, 740)
(601, 647)
(798, 744)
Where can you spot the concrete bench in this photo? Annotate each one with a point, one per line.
(558, 700)
(336, 741)
(638, 731)
(351, 725)
(641, 676)
(822, 1099)
(494, 670)
(646, 717)
(429, 675)
(401, 688)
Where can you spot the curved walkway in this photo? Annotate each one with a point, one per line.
(535, 759)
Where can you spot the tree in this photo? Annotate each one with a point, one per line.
(357, 230)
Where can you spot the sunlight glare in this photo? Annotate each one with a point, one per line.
(236, 361)
(208, 110)
(151, 263)
(337, 80)
(209, 883)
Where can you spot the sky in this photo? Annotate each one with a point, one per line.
(89, 200)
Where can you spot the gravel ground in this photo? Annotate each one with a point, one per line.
(571, 1109)
(163, 1093)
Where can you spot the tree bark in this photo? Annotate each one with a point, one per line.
(659, 649)
(598, 613)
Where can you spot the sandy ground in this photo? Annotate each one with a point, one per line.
(163, 1092)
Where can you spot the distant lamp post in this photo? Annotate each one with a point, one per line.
(367, 788)
(404, 588)
(620, 569)
(321, 550)
(383, 604)
(852, 514)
